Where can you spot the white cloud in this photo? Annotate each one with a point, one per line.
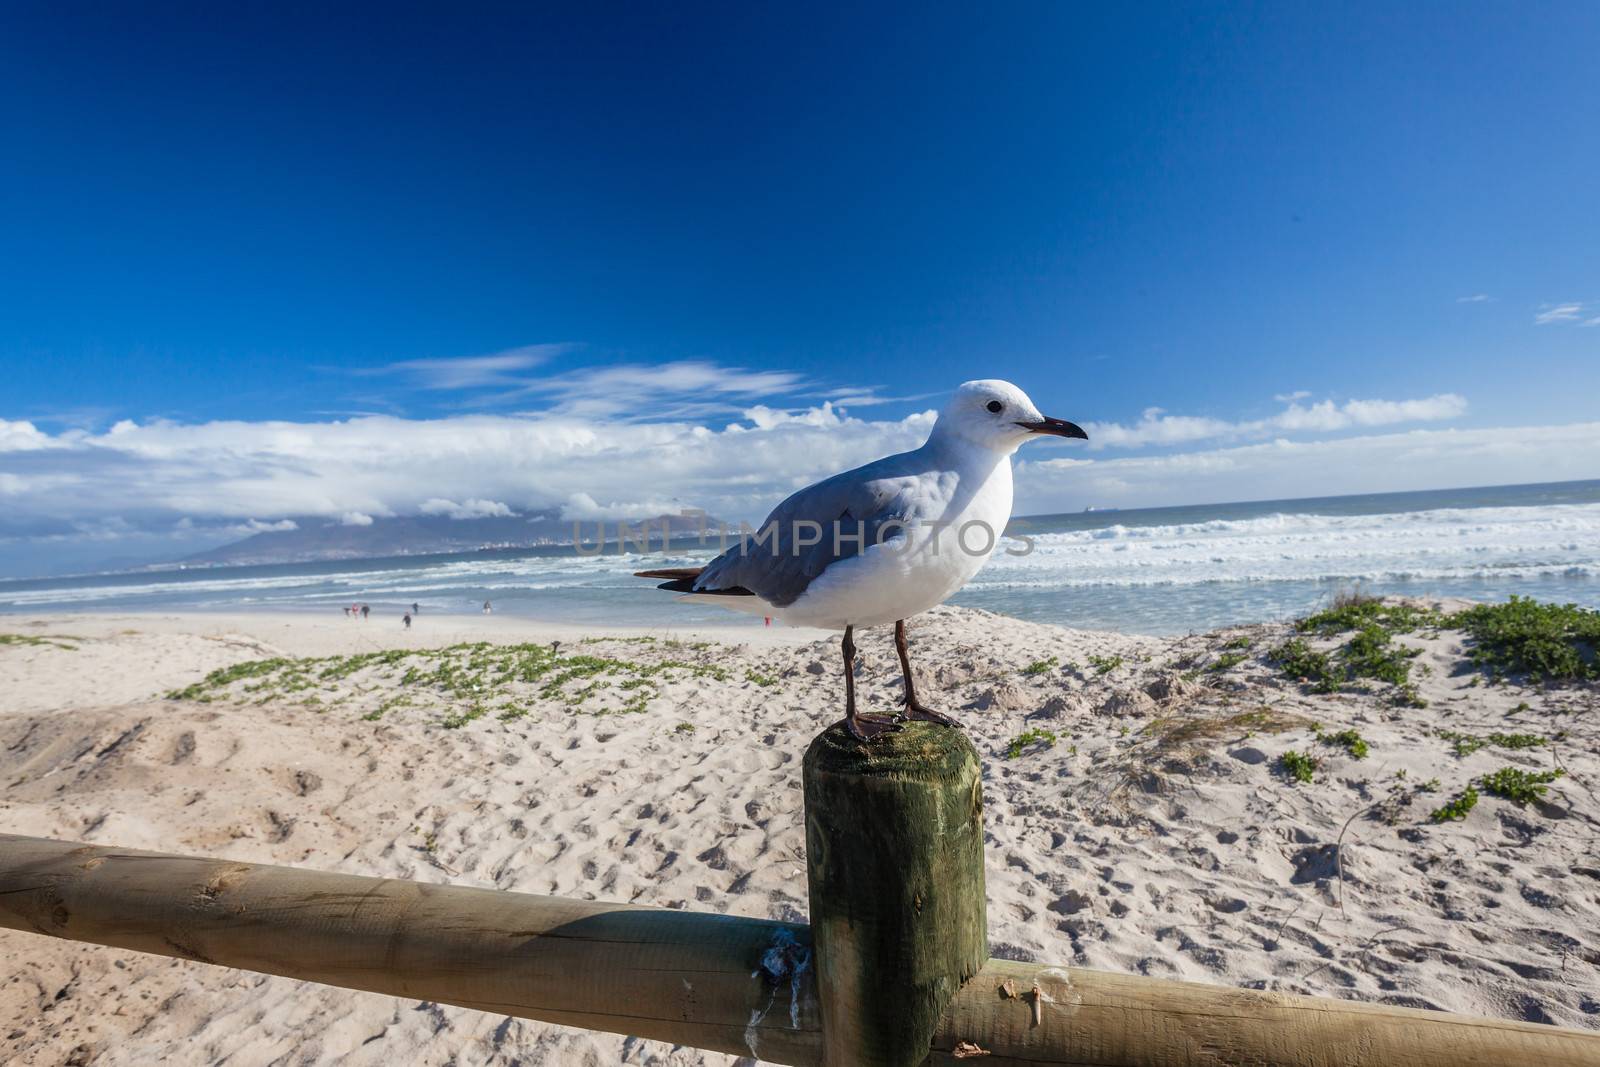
(1554, 313)
(255, 526)
(1387, 412)
(1475, 298)
(765, 418)
(472, 508)
(864, 397)
(581, 507)
(350, 470)
(496, 370)
(137, 479)
(1289, 398)
(22, 436)
(1284, 469)
(634, 392)
(1156, 427)
(617, 392)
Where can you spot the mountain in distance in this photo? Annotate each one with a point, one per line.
(316, 539)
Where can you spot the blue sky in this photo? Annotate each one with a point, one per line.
(217, 218)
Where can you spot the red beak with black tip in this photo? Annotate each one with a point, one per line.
(1055, 428)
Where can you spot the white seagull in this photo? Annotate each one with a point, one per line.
(883, 542)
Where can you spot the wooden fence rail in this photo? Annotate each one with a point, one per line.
(678, 976)
(888, 976)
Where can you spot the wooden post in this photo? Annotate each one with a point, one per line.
(894, 850)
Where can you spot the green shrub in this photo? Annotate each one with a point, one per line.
(1227, 660)
(1360, 613)
(1407, 696)
(1352, 741)
(1028, 738)
(1463, 744)
(1299, 661)
(1519, 786)
(457, 719)
(1105, 664)
(1299, 765)
(1467, 744)
(48, 640)
(1546, 642)
(1372, 653)
(1457, 809)
(1515, 741)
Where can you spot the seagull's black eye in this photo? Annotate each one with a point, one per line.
(995, 406)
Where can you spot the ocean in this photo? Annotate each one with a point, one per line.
(1152, 570)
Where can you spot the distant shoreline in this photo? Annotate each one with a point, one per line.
(1160, 571)
(304, 633)
(1089, 516)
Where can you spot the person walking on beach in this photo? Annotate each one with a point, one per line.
(407, 620)
(486, 608)
(364, 610)
(415, 610)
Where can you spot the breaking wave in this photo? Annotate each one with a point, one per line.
(1453, 543)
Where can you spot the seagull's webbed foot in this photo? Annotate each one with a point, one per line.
(869, 727)
(915, 712)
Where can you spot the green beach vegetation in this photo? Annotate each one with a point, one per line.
(1299, 766)
(62, 641)
(1104, 665)
(1040, 666)
(1350, 740)
(1035, 740)
(1542, 643)
(466, 680)
(1458, 808)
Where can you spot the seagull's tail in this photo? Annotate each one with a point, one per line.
(682, 579)
(678, 579)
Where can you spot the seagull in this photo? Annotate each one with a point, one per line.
(883, 542)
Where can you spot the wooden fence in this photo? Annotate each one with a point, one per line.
(892, 972)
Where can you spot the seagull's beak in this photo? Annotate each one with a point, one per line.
(1055, 428)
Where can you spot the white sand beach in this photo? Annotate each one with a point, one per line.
(1148, 826)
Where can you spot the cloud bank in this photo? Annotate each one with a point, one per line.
(1284, 469)
(1156, 427)
(602, 450)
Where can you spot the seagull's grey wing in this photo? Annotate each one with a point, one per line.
(846, 514)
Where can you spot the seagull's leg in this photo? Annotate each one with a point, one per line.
(861, 727)
(914, 709)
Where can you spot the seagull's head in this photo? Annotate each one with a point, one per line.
(997, 415)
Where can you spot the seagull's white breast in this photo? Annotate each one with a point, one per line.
(960, 516)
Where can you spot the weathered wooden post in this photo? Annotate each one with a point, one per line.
(894, 849)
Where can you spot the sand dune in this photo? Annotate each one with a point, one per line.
(1157, 834)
